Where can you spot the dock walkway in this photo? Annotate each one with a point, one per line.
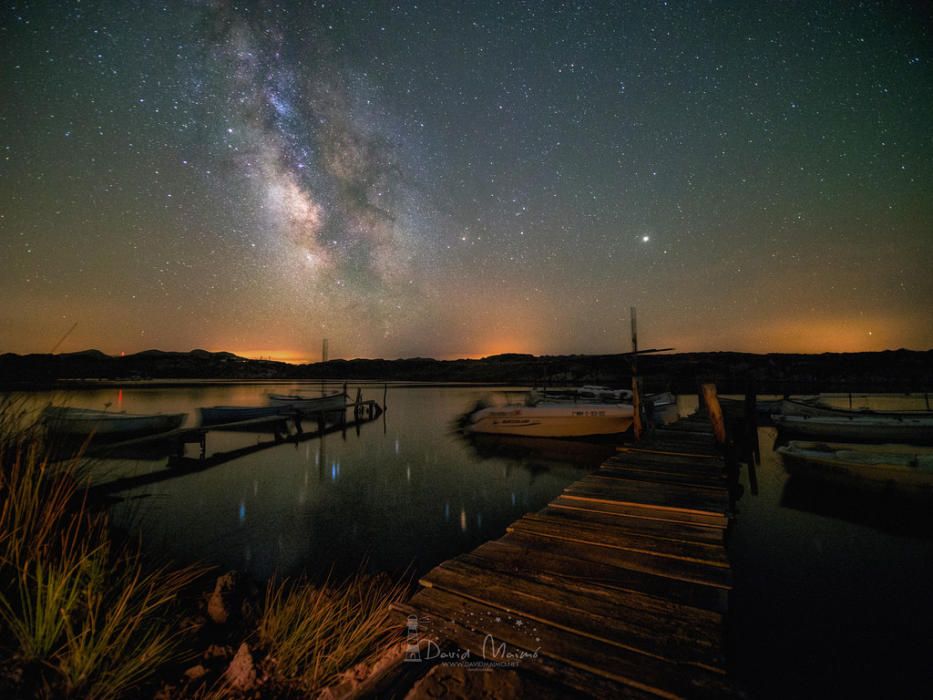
(618, 588)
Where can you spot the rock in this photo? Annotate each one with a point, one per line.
(358, 680)
(459, 683)
(195, 672)
(216, 651)
(226, 599)
(241, 673)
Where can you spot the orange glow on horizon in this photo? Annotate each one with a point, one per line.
(293, 357)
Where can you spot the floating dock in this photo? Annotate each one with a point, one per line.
(618, 588)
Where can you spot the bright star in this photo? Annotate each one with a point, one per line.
(645, 239)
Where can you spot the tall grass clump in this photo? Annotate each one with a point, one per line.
(313, 634)
(81, 615)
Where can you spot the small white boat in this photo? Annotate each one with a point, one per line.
(547, 419)
(600, 394)
(858, 428)
(310, 404)
(67, 422)
(218, 415)
(797, 407)
(899, 466)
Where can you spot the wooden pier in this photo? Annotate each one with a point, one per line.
(285, 427)
(618, 588)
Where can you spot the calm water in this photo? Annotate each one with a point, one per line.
(406, 491)
(833, 589)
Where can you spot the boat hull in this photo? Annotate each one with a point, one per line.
(789, 407)
(858, 428)
(80, 423)
(218, 415)
(312, 404)
(877, 470)
(578, 420)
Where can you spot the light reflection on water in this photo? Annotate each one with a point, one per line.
(406, 492)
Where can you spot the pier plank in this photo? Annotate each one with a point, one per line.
(658, 495)
(637, 670)
(599, 616)
(652, 473)
(531, 564)
(671, 567)
(627, 538)
(671, 462)
(657, 528)
(439, 629)
(641, 511)
(592, 565)
(671, 443)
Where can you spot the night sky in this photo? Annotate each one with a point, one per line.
(456, 179)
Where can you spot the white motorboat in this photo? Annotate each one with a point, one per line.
(551, 419)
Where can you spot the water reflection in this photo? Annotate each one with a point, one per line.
(410, 494)
(887, 510)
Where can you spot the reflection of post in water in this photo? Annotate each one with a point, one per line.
(322, 457)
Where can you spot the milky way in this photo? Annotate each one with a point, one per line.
(322, 168)
(456, 179)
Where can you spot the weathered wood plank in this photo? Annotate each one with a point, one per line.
(656, 528)
(680, 569)
(437, 629)
(642, 511)
(664, 476)
(687, 456)
(637, 670)
(702, 492)
(628, 538)
(671, 444)
(596, 616)
(554, 570)
(666, 496)
(596, 566)
(672, 461)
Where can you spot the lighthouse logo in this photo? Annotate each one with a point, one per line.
(412, 648)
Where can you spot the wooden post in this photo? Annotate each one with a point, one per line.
(715, 412)
(636, 410)
(385, 395)
(637, 425)
(751, 434)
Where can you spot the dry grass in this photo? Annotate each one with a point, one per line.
(82, 617)
(312, 634)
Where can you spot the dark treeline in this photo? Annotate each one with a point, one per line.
(892, 370)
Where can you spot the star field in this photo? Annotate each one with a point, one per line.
(461, 179)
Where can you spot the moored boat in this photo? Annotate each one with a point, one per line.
(858, 428)
(600, 394)
(798, 407)
(218, 415)
(546, 419)
(899, 466)
(310, 404)
(66, 422)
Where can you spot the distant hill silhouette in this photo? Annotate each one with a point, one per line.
(891, 370)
